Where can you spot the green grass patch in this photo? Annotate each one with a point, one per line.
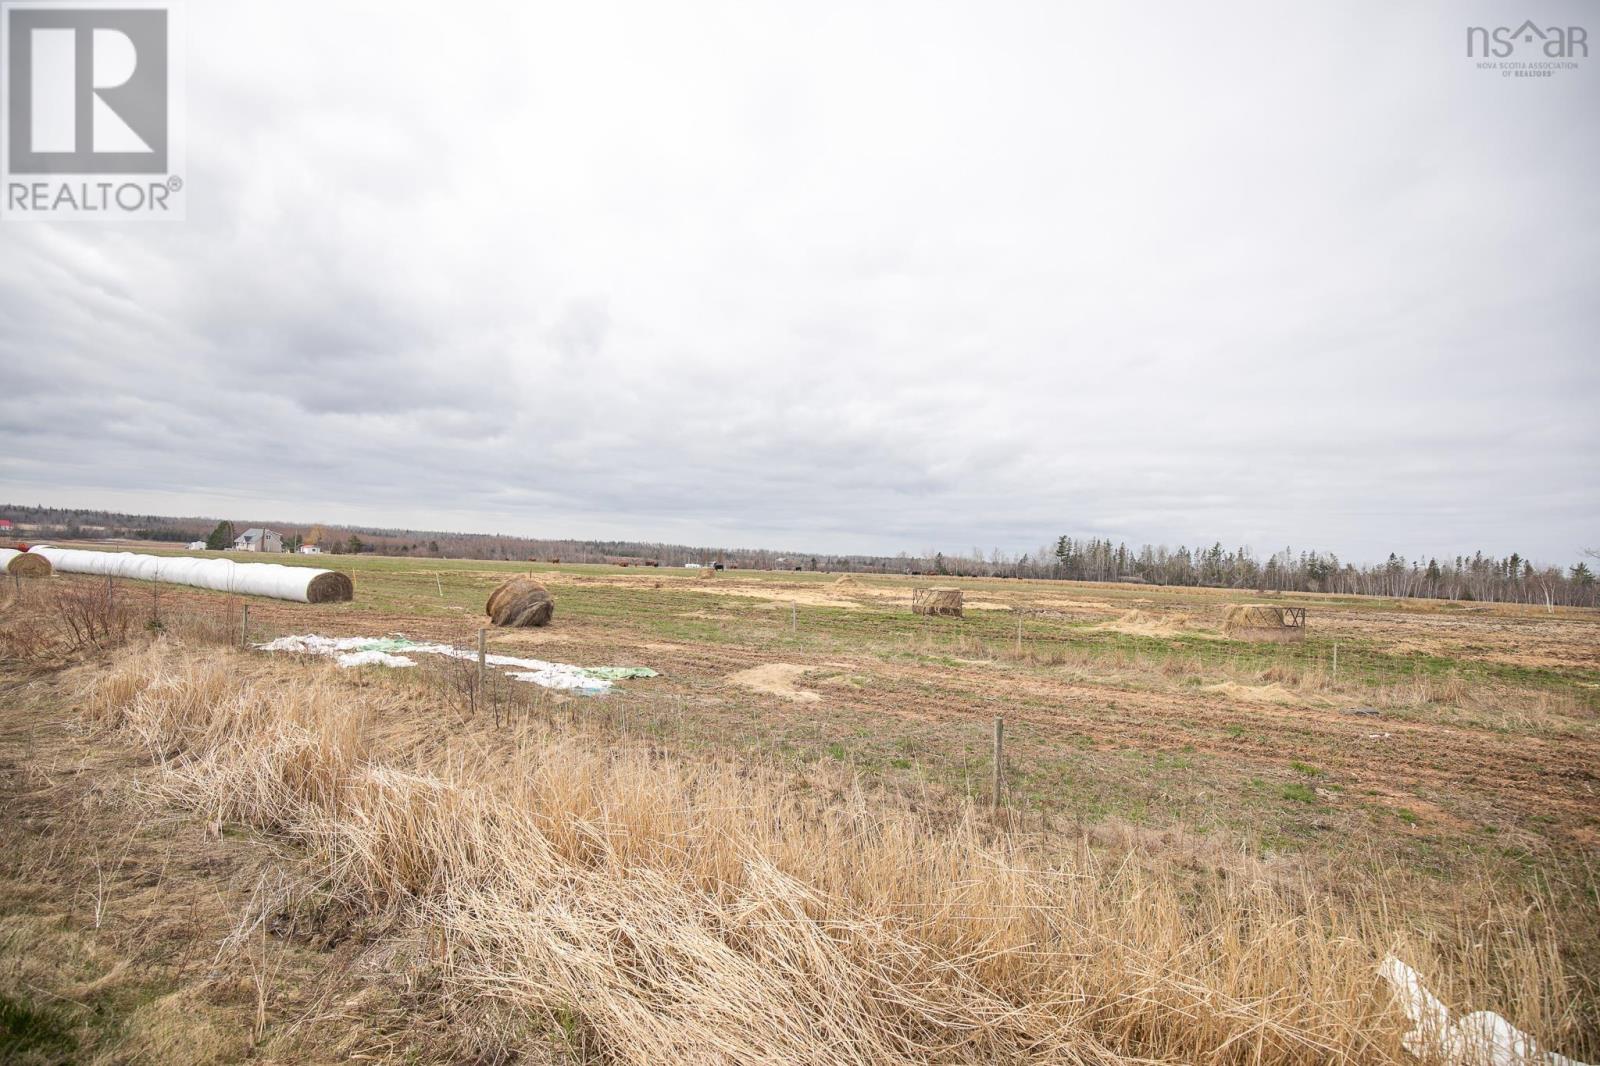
(30, 1033)
(1298, 793)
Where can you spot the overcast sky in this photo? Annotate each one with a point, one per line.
(842, 276)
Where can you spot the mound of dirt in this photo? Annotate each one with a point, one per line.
(775, 679)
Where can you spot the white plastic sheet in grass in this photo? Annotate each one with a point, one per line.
(397, 651)
(1482, 1038)
(223, 575)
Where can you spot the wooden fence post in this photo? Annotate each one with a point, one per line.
(999, 760)
(244, 626)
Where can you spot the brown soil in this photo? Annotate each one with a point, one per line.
(775, 679)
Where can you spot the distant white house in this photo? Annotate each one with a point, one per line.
(310, 549)
(258, 540)
(197, 545)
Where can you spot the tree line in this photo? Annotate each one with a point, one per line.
(1487, 578)
(1508, 579)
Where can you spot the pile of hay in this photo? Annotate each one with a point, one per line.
(521, 602)
(330, 586)
(24, 564)
(946, 602)
(1259, 621)
(1144, 624)
(845, 579)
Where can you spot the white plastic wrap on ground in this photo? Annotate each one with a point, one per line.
(273, 580)
(359, 651)
(1481, 1038)
(346, 651)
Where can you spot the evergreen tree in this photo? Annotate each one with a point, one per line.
(221, 538)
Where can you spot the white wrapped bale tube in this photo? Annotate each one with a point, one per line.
(23, 564)
(303, 584)
(1482, 1038)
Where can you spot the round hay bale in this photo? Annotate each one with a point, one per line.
(25, 564)
(330, 587)
(521, 602)
(937, 601)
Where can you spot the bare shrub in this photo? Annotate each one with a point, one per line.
(92, 614)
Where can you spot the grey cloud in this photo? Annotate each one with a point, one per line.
(904, 277)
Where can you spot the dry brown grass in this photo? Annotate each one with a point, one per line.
(1313, 682)
(661, 908)
(1144, 624)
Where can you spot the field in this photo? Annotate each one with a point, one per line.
(1416, 775)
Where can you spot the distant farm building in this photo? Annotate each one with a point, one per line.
(197, 545)
(5, 525)
(258, 540)
(310, 549)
